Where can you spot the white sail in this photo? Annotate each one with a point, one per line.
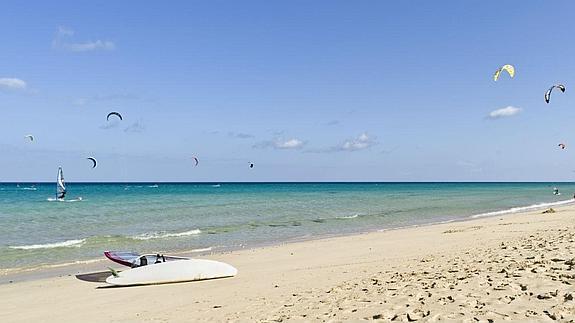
(61, 185)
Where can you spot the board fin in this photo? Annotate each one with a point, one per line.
(114, 272)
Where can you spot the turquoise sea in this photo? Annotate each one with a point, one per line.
(36, 229)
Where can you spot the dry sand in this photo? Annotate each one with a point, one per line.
(512, 267)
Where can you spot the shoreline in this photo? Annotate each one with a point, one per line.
(14, 275)
(513, 266)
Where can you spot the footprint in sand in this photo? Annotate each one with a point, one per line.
(473, 228)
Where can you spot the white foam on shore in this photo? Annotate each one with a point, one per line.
(524, 208)
(63, 244)
(162, 235)
(8, 271)
(201, 249)
(512, 210)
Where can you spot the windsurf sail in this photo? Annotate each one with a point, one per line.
(60, 185)
(132, 259)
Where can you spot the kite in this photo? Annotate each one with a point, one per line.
(509, 68)
(94, 161)
(114, 114)
(548, 93)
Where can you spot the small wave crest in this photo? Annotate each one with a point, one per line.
(163, 235)
(348, 217)
(524, 208)
(345, 217)
(63, 244)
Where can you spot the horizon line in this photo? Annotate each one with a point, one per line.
(290, 182)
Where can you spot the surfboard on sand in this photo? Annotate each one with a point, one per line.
(173, 272)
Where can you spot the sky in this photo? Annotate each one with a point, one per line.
(304, 90)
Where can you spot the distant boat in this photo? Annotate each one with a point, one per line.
(60, 185)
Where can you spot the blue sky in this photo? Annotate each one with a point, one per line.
(307, 91)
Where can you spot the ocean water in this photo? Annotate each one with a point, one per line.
(36, 229)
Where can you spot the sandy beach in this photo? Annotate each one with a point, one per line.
(511, 267)
(287, 161)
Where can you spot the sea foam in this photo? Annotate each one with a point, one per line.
(348, 217)
(163, 235)
(201, 249)
(524, 208)
(63, 244)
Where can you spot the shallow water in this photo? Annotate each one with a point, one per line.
(36, 229)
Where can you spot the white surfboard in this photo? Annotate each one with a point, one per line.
(173, 272)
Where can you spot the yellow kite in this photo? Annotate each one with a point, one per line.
(509, 68)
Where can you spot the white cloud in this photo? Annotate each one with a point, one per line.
(79, 102)
(110, 125)
(88, 46)
(63, 31)
(116, 97)
(12, 84)
(136, 127)
(105, 98)
(292, 143)
(289, 144)
(63, 35)
(504, 112)
(465, 163)
(389, 151)
(363, 141)
(469, 166)
(239, 135)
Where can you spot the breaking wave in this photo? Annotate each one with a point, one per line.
(524, 208)
(348, 217)
(163, 235)
(63, 244)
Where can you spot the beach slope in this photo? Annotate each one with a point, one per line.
(516, 266)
